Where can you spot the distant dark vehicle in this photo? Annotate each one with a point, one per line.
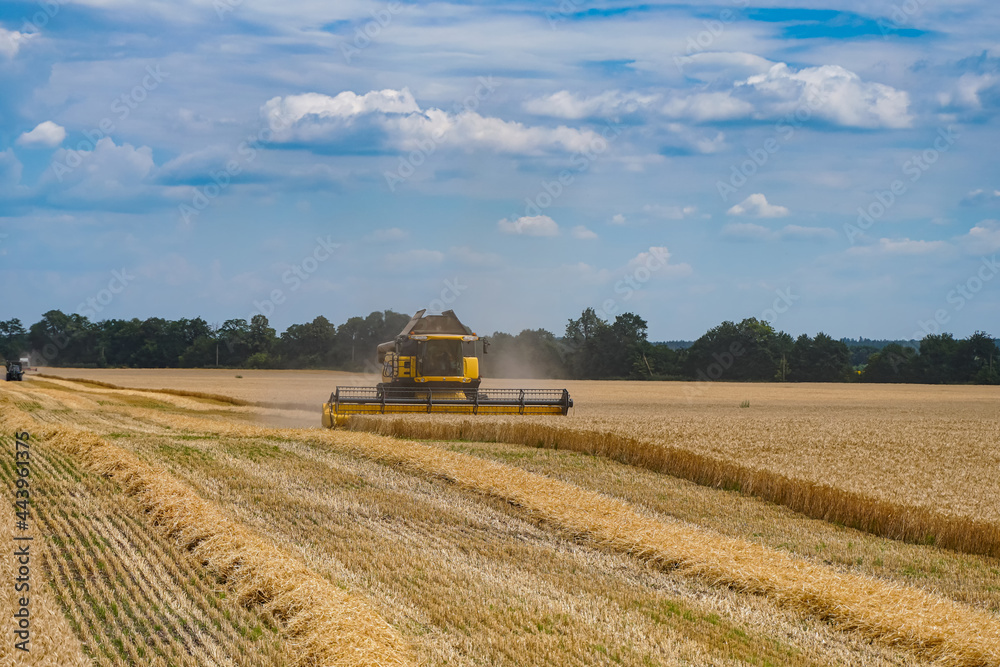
(14, 371)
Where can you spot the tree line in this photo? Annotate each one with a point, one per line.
(590, 348)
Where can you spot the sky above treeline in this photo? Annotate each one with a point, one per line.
(826, 168)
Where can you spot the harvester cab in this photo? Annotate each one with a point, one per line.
(433, 366)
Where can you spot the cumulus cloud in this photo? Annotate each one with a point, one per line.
(968, 91)
(46, 135)
(109, 171)
(618, 219)
(535, 225)
(745, 86)
(11, 41)
(656, 260)
(756, 205)
(581, 232)
(830, 92)
(982, 239)
(565, 104)
(391, 119)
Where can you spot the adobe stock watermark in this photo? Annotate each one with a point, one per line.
(453, 288)
(740, 174)
(49, 10)
(246, 153)
(94, 305)
(914, 169)
(294, 277)
(724, 362)
(365, 35)
(634, 279)
(959, 297)
(425, 148)
(781, 305)
(223, 7)
(122, 107)
(563, 11)
(581, 161)
(900, 17)
(713, 29)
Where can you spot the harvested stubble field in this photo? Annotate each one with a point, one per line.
(497, 553)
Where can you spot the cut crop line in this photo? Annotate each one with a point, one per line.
(326, 625)
(877, 516)
(58, 524)
(933, 627)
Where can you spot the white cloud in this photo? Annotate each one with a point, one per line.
(618, 219)
(708, 107)
(535, 225)
(725, 66)
(756, 205)
(829, 92)
(982, 239)
(747, 86)
(293, 108)
(581, 232)
(565, 104)
(46, 134)
(108, 171)
(393, 118)
(11, 41)
(657, 261)
(669, 212)
(967, 91)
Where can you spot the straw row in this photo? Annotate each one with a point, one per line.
(877, 516)
(324, 624)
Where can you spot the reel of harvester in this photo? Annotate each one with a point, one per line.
(432, 367)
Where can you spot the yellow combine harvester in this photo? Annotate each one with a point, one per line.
(432, 366)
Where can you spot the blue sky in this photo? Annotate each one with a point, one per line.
(826, 167)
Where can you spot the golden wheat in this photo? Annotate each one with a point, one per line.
(326, 624)
(936, 628)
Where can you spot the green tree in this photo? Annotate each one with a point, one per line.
(821, 359)
(893, 363)
(13, 339)
(750, 350)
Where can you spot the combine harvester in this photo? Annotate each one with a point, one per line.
(432, 367)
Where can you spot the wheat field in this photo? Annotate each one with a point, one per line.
(456, 550)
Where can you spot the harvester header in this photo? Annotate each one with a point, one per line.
(432, 365)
